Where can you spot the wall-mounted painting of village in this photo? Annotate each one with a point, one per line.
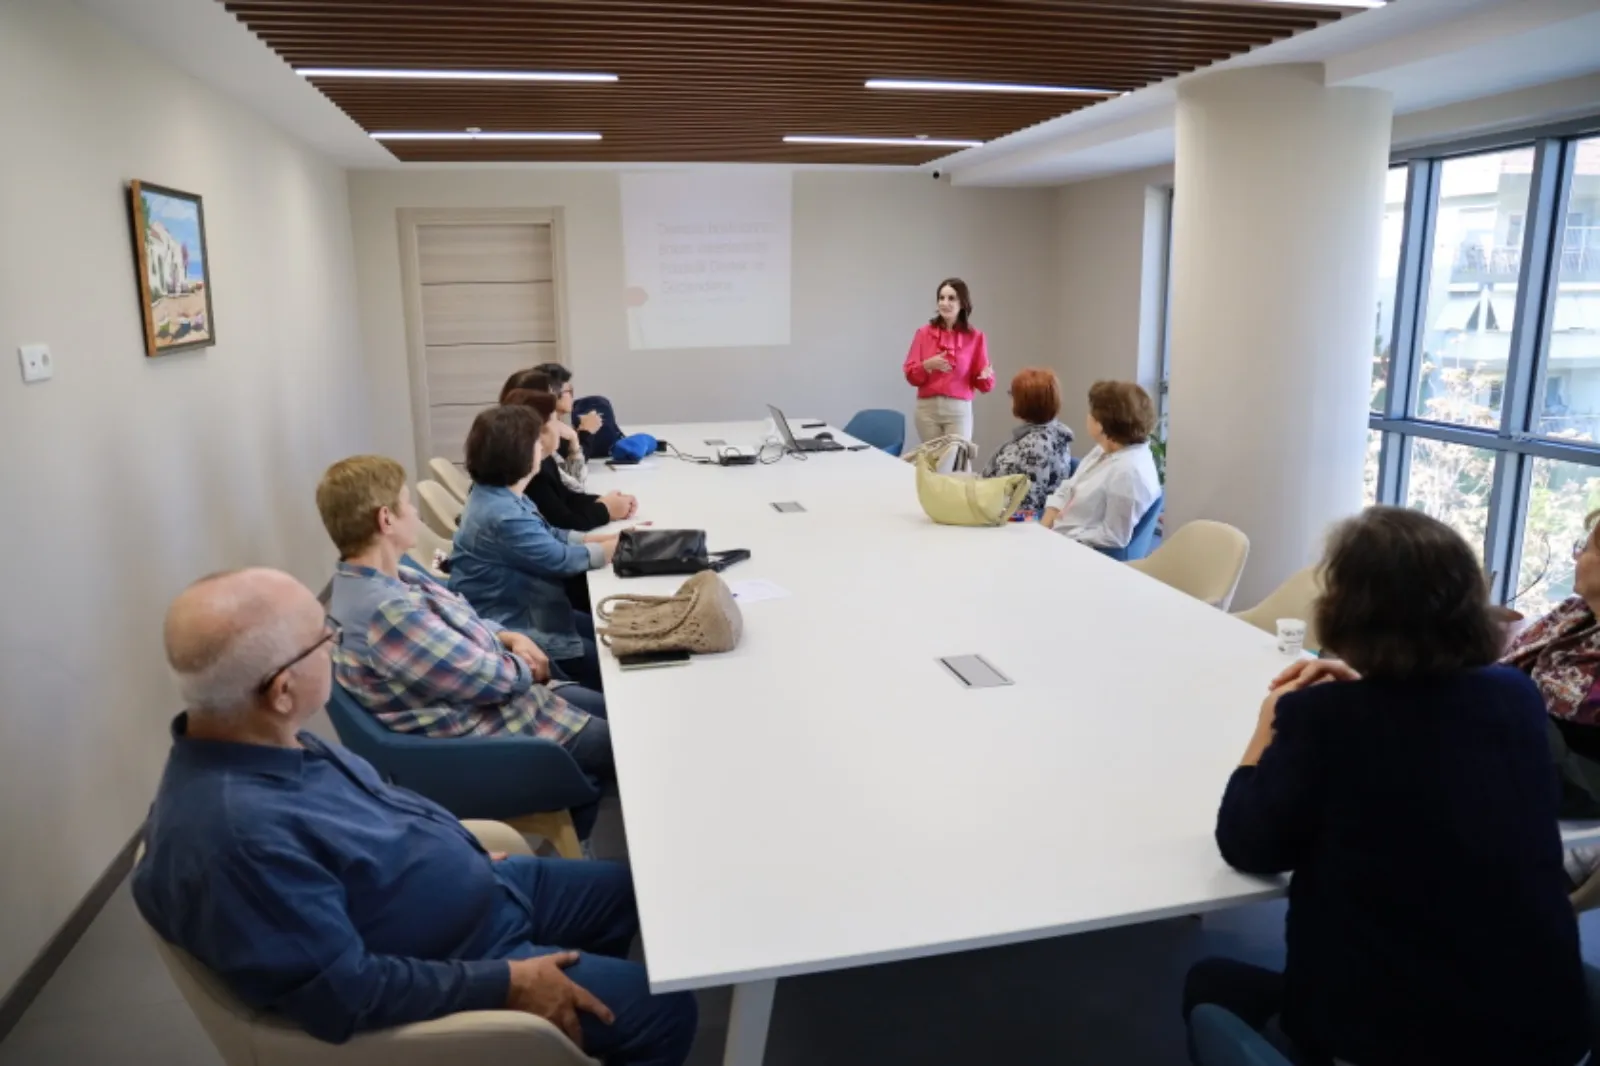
(169, 237)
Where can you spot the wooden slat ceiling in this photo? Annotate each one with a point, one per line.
(725, 80)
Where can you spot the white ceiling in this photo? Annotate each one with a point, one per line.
(1428, 53)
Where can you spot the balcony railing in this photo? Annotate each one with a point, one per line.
(1580, 258)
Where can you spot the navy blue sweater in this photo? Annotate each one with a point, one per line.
(1428, 919)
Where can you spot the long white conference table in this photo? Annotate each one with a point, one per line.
(828, 795)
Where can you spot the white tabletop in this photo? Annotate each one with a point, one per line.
(828, 796)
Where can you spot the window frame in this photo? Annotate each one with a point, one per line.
(1515, 442)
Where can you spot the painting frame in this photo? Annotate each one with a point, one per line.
(164, 265)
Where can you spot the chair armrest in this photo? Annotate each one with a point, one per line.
(495, 777)
(498, 836)
(501, 1036)
(1220, 1038)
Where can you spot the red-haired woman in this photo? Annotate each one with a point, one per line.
(1040, 447)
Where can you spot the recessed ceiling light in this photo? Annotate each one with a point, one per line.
(451, 75)
(883, 142)
(986, 87)
(470, 135)
(1328, 3)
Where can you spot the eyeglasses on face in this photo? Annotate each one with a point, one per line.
(332, 633)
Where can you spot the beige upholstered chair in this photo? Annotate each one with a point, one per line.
(440, 509)
(1292, 599)
(451, 477)
(429, 542)
(247, 1037)
(1203, 558)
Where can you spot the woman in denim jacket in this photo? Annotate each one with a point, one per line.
(508, 561)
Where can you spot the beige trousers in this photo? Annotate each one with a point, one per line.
(939, 415)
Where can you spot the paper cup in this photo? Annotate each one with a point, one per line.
(1291, 636)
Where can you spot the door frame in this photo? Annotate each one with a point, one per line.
(409, 219)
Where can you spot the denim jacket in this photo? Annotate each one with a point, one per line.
(511, 566)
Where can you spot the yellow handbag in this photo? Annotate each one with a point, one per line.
(963, 499)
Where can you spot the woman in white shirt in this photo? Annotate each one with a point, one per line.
(1117, 482)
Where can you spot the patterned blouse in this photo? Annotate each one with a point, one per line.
(1043, 452)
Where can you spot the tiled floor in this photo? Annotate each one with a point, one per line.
(1106, 999)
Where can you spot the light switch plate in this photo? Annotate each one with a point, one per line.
(36, 364)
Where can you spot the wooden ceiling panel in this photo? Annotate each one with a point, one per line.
(725, 80)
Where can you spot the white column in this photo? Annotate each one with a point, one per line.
(1276, 226)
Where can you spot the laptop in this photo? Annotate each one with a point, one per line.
(801, 444)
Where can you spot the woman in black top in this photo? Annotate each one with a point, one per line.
(1409, 790)
(560, 504)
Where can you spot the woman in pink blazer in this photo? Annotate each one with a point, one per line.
(948, 362)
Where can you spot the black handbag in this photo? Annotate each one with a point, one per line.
(645, 552)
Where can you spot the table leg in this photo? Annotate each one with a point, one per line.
(747, 1023)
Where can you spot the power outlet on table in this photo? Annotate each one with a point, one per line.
(36, 364)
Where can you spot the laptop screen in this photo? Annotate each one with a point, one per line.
(783, 425)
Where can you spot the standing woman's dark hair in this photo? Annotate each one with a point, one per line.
(963, 296)
(1403, 597)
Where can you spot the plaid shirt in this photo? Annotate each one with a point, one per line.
(424, 662)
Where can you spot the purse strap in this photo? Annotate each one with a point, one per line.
(720, 561)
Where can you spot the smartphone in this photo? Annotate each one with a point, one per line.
(651, 659)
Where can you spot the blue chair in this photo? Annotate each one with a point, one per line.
(1144, 535)
(883, 429)
(530, 784)
(1218, 1037)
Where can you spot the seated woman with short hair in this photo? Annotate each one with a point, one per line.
(1408, 789)
(1117, 481)
(508, 560)
(551, 489)
(417, 655)
(1040, 447)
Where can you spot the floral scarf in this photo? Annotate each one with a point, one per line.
(1561, 652)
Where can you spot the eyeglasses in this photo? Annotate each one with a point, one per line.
(332, 633)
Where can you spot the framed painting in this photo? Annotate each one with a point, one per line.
(169, 243)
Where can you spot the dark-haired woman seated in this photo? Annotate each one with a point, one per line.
(1408, 788)
(508, 561)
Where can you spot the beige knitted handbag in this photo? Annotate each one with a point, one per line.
(700, 617)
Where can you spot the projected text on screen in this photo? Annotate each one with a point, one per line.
(707, 258)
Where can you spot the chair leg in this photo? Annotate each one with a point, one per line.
(554, 826)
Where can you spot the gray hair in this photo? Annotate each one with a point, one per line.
(221, 649)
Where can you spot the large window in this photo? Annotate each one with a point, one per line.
(1486, 357)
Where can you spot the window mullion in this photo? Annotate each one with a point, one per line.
(1521, 409)
(1506, 504)
(1417, 239)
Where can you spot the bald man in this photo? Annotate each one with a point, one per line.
(313, 889)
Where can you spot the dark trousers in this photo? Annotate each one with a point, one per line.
(589, 907)
(1253, 994)
(584, 668)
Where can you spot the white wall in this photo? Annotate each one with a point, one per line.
(1111, 239)
(869, 250)
(124, 477)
